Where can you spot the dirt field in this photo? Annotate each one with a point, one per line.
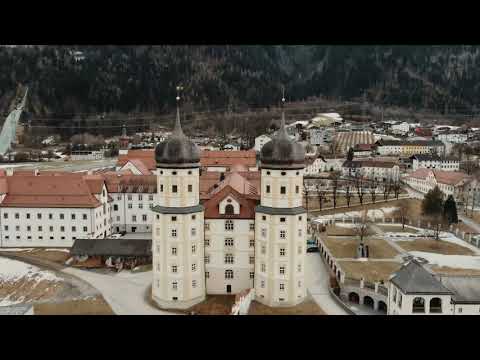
(94, 306)
(378, 205)
(435, 246)
(214, 305)
(397, 228)
(334, 230)
(308, 307)
(445, 270)
(27, 291)
(369, 270)
(346, 247)
(58, 257)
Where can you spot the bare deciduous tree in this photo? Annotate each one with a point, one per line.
(402, 213)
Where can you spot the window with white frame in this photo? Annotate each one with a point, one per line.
(282, 234)
(282, 251)
(299, 232)
(282, 270)
(282, 286)
(193, 231)
(228, 241)
(174, 268)
(144, 218)
(252, 274)
(194, 267)
(229, 225)
(229, 274)
(228, 258)
(194, 249)
(174, 285)
(264, 249)
(262, 284)
(264, 232)
(194, 284)
(252, 226)
(207, 259)
(174, 232)
(251, 260)
(252, 242)
(174, 251)
(207, 226)
(207, 242)
(263, 267)
(299, 267)
(134, 218)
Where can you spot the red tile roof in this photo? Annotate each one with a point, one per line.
(146, 156)
(247, 206)
(54, 191)
(442, 177)
(228, 158)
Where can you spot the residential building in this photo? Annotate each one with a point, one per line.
(372, 169)
(433, 161)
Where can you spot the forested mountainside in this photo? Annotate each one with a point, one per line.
(142, 78)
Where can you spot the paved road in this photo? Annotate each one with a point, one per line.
(317, 278)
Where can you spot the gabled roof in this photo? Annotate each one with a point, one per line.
(228, 158)
(465, 289)
(147, 156)
(112, 247)
(139, 164)
(49, 191)
(412, 278)
(237, 182)
(247, 206)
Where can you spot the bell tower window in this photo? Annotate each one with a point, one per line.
(229, 210)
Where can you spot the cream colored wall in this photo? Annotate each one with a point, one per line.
(241, 234)
(275, 179)
(224, 202)
(163, 277)
(295, 247)
(182, 179)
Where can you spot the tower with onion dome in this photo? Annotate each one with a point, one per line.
(281, 223)
(178, 225)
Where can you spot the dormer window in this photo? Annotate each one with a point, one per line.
(229, 209)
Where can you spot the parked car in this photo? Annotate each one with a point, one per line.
(116, 236)
(312, 249)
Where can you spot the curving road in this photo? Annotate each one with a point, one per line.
(317, 278)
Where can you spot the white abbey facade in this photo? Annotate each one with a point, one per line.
(237, 246)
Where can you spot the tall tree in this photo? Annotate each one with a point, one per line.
(450, 210)
(432, 208)
(350, 154)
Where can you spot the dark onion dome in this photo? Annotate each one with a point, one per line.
(281, 152)
(178, 151)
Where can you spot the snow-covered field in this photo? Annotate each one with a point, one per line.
(373, 214)
(12, 270)
(453, 261)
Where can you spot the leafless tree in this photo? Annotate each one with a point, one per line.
(360, 188)
(334, 176)
(321, 193)
(396, 188)
(361, 228)
(402, 213)
(306, 192)
(373, 189)
(348, 194)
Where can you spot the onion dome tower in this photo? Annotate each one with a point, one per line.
(178, 225)
(281, 223)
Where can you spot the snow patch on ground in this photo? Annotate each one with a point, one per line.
(61, 250)
(453, 261)
(373, 214)
(12, 270)
(16, 249)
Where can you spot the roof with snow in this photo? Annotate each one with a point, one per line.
(413, 278)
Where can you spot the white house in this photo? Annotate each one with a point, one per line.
(434, 162)
(260, 141)
(453, 137)
(449, 182)
(372, 169)
(401, 128)
(415, 290)
(52, 211)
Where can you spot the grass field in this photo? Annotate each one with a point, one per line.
(347, 247)
(397, 228)
(369, 270)
(435, 246)
(94, 306)
(445, 270)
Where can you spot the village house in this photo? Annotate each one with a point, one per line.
(433, 161)
(372, 169)
(416, 290)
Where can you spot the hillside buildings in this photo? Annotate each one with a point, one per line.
(409, 148)
(372, 169)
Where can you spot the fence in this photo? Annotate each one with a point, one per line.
(242, 302)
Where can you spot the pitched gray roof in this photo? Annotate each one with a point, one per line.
(466, 289)
(412, 278)
(112, 247)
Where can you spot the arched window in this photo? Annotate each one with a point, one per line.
(229, 210)
(436, 305)
(228, 274)
(418, 305)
